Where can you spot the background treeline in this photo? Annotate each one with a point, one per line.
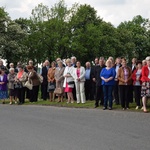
(63, 32)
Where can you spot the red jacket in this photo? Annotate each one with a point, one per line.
(134, 76)
(145, 73)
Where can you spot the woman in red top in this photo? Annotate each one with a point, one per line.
(145, 92)
(136, 77)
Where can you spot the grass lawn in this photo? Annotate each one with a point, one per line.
(88, 105)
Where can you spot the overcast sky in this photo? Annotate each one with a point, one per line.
(114, 11)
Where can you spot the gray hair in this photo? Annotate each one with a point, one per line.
(147, 58)
(11, 69)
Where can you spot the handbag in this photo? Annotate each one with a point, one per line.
(40, 78)
(51, 86)
(28, 85)
(18, 86)
(70, 82)
(58, 91)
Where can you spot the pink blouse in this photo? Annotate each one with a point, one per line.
(78, 73)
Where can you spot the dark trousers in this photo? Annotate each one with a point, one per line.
(99, 95)
(130, 96)
(21, 95)
(107, 90)
(116, 93)
(34, 94)
(74, 92)
(137, 93)
(44, 93)
(124, 95)
(88, 90)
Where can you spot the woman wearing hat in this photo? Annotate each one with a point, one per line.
(145, 92)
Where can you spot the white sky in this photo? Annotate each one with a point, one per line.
(114, 11)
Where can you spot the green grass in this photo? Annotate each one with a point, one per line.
(88, 105)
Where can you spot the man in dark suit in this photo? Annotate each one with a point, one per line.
(97, 79)
(44, 84)
(88, 82)
(93, 90)
(116, 89)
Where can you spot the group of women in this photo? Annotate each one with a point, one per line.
(63, 79)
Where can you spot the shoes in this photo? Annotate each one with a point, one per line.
(104, 108)
(15, 102)
(142, 108)
(128, 108)
(10, 103)
(123, 108)
(137, 107)
(110, 108)
(72, 102)
(145, 111)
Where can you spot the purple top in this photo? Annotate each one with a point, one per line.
(3, 87)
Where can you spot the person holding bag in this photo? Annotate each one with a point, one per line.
(34, 80)
(19, 84)
(69, 81)
(51, 80)
(59, 78)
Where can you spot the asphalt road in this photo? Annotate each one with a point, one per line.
(52, 128)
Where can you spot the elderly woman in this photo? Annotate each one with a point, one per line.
(20, 80)
(59, 78)
(145, 92)
(69, 81)
(108, 75)
(79, 77)
(11, 80)
(51, 80)
(125, 80)
(34, 79)
(3, 86)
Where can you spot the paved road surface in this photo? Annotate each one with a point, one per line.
(52, 128)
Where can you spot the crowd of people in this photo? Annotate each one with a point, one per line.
(106, 81)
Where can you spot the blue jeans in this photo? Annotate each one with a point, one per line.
(107, 90)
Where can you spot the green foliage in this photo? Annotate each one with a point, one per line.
(63, 32)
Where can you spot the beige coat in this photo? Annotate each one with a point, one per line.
(11, 80)
(59, 77)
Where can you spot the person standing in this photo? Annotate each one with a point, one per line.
(125, 81)
(44, 84)
(12, 91)
(69, 81)
(3, 85)
(145, 92)
(97, 79)
(116, 89)
(20, 80)
(79, 77)
(108, 75)
(33, 78)
(136, 78)
(51, 81)
(88, 82)
(59, 78)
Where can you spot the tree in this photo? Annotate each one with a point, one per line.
(11, 38)
(138, 37)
